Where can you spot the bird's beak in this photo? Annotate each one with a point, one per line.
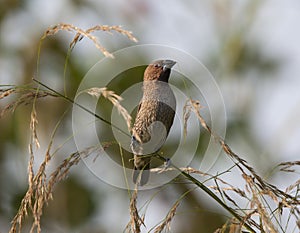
(168, 64)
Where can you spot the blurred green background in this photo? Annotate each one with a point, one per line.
(251, 48)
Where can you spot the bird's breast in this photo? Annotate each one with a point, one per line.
(157, 105)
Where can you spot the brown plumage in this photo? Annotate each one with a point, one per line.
(154, 117)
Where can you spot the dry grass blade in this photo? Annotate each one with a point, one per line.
(113, 98)
(33, 128)
(27, 96)
(256, 186)
(118, 29)
(247, 218)
(63, 169)
(234, 226)
(259, 206)
(40, 187)
(286, 166)
(222, 229)
(95, 91)
(186, 115)
(26, 202)
(6, 92)
(80, 33)
(241, 163)
(135, 220)
(229, 198)
(231, 187)
(34, 198)
(228, 188)
(292, 186)
(167, 221)
(189, 170)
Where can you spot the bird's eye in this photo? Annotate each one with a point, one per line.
(156, 65)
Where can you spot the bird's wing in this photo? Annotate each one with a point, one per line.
(139, 107)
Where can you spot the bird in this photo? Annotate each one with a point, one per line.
(154, 118)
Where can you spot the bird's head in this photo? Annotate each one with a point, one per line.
(159, 70)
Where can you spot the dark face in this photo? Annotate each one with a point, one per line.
(159, 70)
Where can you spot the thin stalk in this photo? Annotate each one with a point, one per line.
(82, 107)
(210, 193)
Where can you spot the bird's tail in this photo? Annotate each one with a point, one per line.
(141, 171)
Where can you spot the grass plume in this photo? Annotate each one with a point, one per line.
(81, 33)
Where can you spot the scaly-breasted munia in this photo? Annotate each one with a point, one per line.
(154, 117)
